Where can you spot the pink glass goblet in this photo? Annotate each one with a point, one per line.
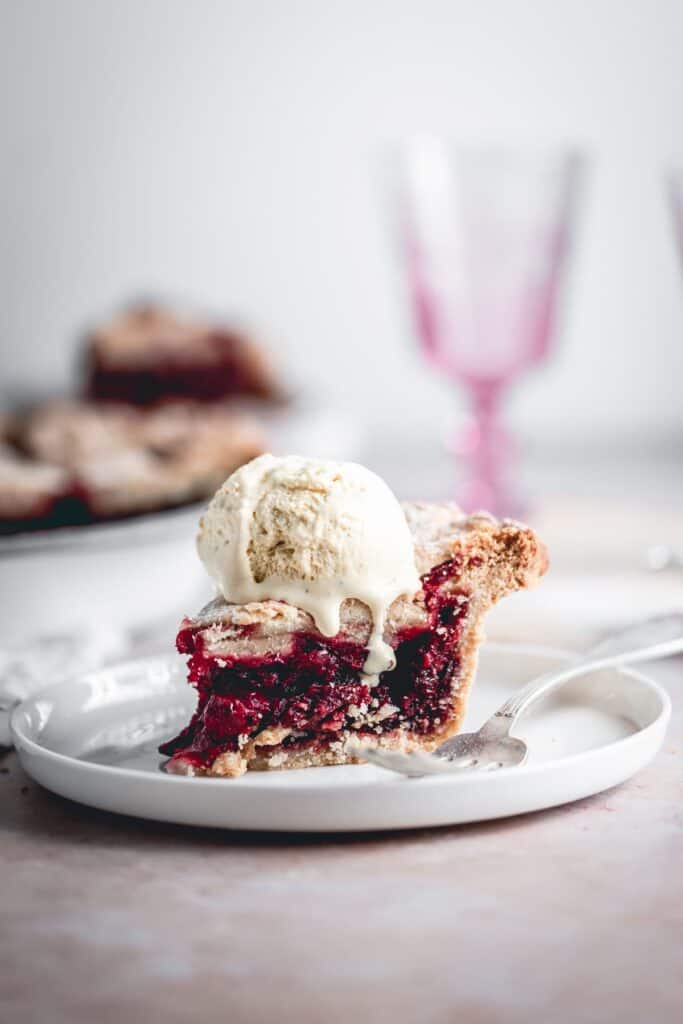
(485, 236)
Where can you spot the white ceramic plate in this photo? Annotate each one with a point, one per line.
(94, 739)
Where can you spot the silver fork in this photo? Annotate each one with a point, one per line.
(493, 747)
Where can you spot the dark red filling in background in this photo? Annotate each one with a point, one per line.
(226, 373)
(311, 687)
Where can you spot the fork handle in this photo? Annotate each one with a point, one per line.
(655, 638)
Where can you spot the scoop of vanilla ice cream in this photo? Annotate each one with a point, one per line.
(313, 533)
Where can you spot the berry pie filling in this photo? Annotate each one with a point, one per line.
(314, 693)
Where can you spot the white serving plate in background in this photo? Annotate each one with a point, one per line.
(94, 739)
(139, 571)
(114, 575)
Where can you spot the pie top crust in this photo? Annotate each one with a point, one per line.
(496, 557)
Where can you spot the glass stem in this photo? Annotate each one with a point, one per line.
(488, 451)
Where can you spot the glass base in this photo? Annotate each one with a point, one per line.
(481, 496)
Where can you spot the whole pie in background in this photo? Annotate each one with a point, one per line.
(160, 424)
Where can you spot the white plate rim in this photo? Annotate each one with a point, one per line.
(258, 784)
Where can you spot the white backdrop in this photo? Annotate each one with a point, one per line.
(228, 153)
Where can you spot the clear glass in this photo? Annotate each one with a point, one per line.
(485, 237)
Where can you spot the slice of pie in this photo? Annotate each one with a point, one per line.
(274, 692)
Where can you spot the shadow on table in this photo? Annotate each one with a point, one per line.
(34, 811)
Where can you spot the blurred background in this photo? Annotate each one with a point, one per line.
(235, 157)
(238, 158)
(231, 154)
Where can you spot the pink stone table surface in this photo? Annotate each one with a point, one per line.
(569, 915)
(573, 914)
